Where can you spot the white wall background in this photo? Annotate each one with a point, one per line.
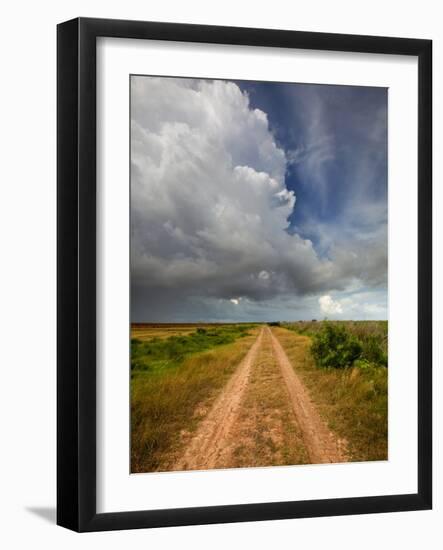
(27, 289)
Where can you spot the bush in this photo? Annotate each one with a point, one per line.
(334, 347)
(373, 352)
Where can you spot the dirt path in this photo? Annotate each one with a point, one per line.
(264, 416)
(266, 432)
(320, 443)
(206, 445)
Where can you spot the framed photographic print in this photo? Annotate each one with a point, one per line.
(244, 274)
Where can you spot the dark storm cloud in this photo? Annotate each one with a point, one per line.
(237, 211)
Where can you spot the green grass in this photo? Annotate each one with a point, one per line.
(353, 401)
(157, 354)
(371, 338)
(170, 378)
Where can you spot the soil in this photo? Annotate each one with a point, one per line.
(264, 416)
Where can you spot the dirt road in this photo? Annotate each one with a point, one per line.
(206, 445)
(263, 416)
(320, 442)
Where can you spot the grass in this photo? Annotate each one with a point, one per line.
(353, 401)
(372, 336)
(267, 433)
(158, 354)
(170, 379)
(176, 378)
(144, 334)
(148, 331)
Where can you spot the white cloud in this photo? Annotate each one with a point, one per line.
(366, 305)
(209, 206)
(209, 203)
(329, 306)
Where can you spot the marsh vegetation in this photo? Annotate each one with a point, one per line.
(187, 380)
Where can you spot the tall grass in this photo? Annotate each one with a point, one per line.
(353, 401)
(156, 354)
(169, 380)
(366, 342)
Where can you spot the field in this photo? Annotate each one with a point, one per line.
(238, 395)
(148, 331)
(354, 399)
(171, 377)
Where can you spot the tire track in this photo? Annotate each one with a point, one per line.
(207, 443)
(320, 443)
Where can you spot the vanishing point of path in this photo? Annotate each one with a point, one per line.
(262, 417)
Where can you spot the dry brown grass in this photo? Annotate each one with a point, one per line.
(146, 332)
(167, 405)
(353, 402)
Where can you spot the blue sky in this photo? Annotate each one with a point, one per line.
(337, 131)
(257, 201)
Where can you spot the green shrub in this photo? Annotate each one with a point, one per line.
(159, 354)
(364, 365)
(373, 351)
(334, 347)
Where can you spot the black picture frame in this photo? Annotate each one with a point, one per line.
(76, 266)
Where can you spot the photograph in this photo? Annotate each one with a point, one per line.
(222, 221)
(258, 273)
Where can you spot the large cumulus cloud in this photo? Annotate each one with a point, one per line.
(210, 209)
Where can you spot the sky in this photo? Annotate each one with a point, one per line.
(257, 201)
